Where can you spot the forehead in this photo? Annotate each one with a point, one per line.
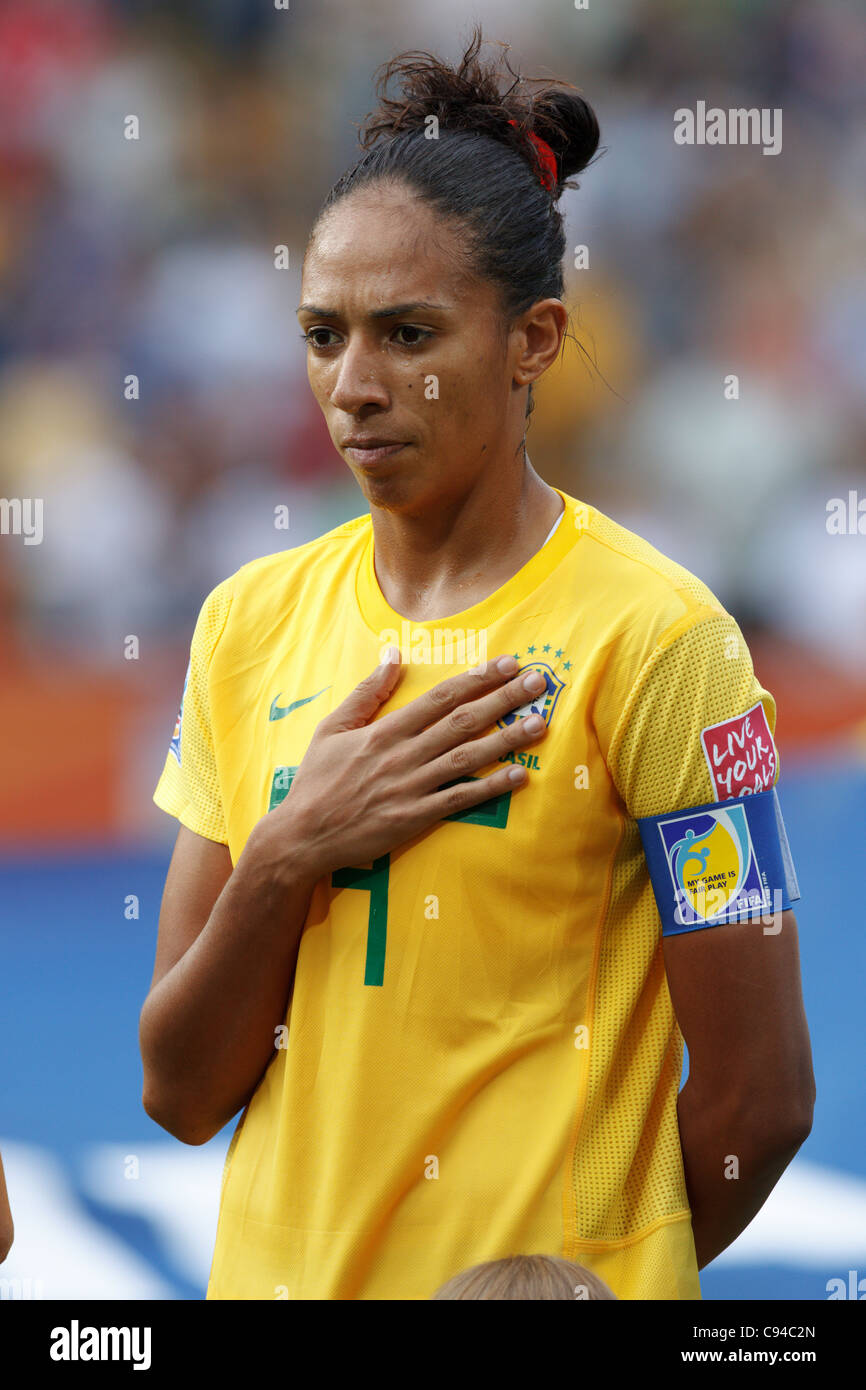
(383, 245)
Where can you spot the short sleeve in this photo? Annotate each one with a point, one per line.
(697, 727)
(189, 785)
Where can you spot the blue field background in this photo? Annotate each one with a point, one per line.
(107, 1206)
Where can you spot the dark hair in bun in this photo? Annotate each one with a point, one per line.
(470, 98)
(479, 169)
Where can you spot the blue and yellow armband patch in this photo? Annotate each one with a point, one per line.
(725, 862)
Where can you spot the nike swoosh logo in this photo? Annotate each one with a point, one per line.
(277, 713)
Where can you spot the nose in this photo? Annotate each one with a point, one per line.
(359, 379)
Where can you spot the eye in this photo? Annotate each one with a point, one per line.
(313, 341)
(413, 336)
(411, 328)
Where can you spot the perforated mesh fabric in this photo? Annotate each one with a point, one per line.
(627, 543)
(664, 1260)
(697, 678)
(635, 1062)
(190, 789)
(693, 678)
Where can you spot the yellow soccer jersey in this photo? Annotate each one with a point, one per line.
(481, 1057)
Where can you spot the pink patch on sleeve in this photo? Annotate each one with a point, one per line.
(740, 754)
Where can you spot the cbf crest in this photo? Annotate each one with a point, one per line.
(712, 865)
(544, 703)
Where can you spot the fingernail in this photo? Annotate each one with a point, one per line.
(389, 655)
(506, 664)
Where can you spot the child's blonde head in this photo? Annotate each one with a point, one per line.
(533, 1277)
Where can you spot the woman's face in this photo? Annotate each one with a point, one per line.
(405, 349)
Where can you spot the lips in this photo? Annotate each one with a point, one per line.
(369, 451)
(360, 441)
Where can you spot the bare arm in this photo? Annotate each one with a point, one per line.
(747, 1105)
(7, 1229)
(229, 939)
(226, 952)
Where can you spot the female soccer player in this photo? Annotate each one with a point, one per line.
(409, 927)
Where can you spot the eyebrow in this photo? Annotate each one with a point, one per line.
(390, 313)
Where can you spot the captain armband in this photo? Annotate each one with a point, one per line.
(725, 862)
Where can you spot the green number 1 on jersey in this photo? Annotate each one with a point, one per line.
(374, 880)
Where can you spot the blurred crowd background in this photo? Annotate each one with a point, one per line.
(155, 257)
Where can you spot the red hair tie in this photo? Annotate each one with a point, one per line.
(546, 158)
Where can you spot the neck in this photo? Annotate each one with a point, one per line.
(434, 565)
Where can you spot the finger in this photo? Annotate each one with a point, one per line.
(482, 752)
(462, 795)
(368, 697)
(426, 709)
(473, 717)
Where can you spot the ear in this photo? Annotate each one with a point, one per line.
(538, 336)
